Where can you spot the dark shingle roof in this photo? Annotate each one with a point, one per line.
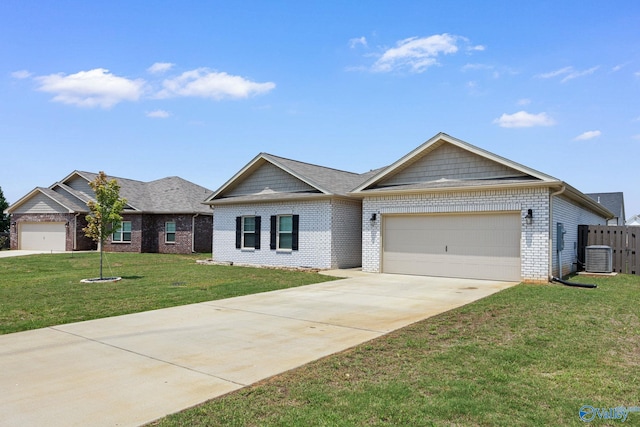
(169, 195)
(612, 201)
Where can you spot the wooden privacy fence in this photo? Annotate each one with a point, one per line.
(624, 242)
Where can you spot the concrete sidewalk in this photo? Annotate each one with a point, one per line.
(130, 370)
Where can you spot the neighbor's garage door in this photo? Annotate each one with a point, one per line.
(478, 246)
(42, 236)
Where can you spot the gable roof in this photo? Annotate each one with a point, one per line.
(488, 170)
(482, 169)
(171, 195)
(306, 181)
(612, 201)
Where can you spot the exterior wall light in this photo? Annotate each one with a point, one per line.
(529, 216)
(373, 217)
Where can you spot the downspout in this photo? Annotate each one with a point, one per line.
(551, 196)
(193, 233)
(75, 232)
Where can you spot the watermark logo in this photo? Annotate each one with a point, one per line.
(588, 413)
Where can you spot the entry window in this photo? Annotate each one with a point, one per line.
(248, 232)
(122, 233)
(285, 232)
(170, 232)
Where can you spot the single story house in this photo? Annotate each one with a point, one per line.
(633, 221)
(447, 208)
(165, 216)
(614, 202)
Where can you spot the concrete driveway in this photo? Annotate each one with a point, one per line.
(130, 370)
(14, 253)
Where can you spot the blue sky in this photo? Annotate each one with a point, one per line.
(196, 89)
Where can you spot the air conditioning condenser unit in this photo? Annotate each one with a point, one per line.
(598, 259)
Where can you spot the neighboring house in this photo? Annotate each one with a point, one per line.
(281, 212)
(633, 221)
(447, 208)
(614, 202)
(166, 216)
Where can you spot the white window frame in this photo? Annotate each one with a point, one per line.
(119, 230)
(279, 232)
(244, 233)
(167, 232)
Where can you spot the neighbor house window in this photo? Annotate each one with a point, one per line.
(170, 232)
(248, 232)
(284, 232)
(122, 233)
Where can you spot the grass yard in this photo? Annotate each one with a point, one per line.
(529, 355)
(44, 290)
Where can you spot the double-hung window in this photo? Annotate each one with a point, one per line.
(248, 232)
(284, 232)
(122, 233)
(170, 232)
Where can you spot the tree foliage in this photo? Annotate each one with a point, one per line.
(104, 217)
(5, 220)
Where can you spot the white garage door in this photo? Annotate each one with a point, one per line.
(479, 246)
(42, 236)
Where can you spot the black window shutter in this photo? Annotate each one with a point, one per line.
(274, 230)
(294, 234)
(238, 232)
(257, 244)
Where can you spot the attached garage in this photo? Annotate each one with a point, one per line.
(478, 246)
(42, 236)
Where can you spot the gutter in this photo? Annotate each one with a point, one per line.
(75, 231)
(551, 196)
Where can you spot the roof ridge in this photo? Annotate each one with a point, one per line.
(311, 164)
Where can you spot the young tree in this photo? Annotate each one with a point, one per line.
(105, 217)
(5, 220)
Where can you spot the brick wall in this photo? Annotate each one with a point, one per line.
(17, 218)
(534, 242)
(347, 233)
(314, 234)
(148, 234)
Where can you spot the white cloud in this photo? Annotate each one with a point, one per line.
(590, 134)
(416, 54)
(524, 101)
(93, 88)
(467, 67)
(477, 48)
(522, 119)
(160, 67)
(158, 114)
(22, 74)
(353, 43)
(636, 137)
(204, 83)
(575, 74)
(637, 74)
(555, 73)
(569, 73)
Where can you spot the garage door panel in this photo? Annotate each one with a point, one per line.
(42, 236)
(483, 246)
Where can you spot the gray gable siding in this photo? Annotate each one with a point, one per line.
(450, 162)
(269, 178)
(80, 184)
(40, 203)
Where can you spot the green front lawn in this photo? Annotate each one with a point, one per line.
(530, 355)
(44, 290)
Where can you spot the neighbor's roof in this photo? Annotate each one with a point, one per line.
(612, 201)
(171, 195)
